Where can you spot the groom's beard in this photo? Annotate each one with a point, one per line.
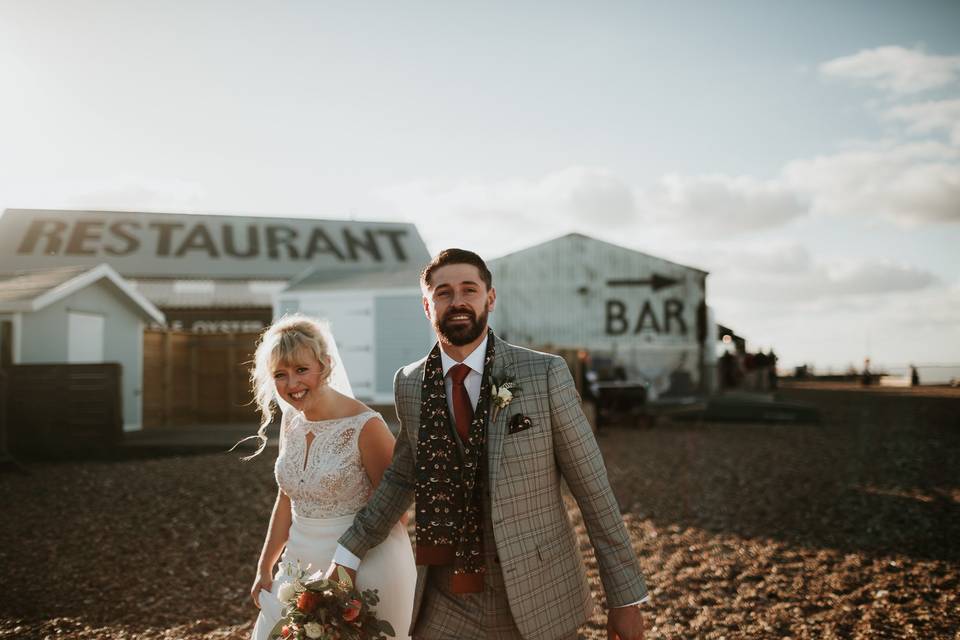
(460, 334)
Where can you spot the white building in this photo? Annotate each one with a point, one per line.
(79, 315)
(646, 314)
(377, 319)
(225, 274)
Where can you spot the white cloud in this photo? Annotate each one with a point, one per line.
(908, 183)
(834, 313)
(132, 193)
(895, 69)
(893, 329)
(779, 258)
(568, 193)
(872, 277)
(708, 205)
(930, 117)
(788, 275)
(503, 215)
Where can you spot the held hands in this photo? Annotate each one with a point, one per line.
(625, 623)
(333, 572)
(262, 581)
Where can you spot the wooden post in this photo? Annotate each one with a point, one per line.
(4, 452)
(194, 380)
(6, 359)
(6, 343)
(167, 369)
(231, 377)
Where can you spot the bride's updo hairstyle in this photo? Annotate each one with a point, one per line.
(291, 339)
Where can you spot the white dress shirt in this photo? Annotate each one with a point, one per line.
(474, 379)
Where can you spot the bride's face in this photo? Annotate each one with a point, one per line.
(299, 380)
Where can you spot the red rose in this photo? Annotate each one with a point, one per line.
(308, 601)
(352, 611)
(285, 631)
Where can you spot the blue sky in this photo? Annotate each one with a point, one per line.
(807, 154)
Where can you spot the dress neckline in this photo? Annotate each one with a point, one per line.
(306, 420)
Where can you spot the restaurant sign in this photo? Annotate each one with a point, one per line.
(187, 245)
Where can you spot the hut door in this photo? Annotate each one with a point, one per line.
(84, 337)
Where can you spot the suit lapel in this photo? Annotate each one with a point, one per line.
(497, 428)
(411, 403)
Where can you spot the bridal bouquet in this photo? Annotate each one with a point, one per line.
(329, 610)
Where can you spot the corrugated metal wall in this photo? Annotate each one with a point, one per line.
(402, 335)
(579, 292)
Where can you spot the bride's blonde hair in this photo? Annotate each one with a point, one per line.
(286, 341)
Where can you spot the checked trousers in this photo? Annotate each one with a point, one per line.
(472, 616)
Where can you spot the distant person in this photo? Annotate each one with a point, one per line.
(728, 370)
(588, 376)
(914, 376)
(772, 370)
(866, 379)
(333, 454)
(497, 555)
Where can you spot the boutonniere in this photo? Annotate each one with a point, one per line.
(502, 390)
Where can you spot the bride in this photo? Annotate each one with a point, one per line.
(333, 452)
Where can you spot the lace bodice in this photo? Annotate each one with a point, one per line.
(326, 479)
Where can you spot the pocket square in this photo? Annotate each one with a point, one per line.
(518, 423)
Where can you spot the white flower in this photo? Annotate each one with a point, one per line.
(313, 629)
(286, 591)
(504, 396)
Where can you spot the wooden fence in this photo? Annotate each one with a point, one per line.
(193, 378)
(4, 447)
(57, 407)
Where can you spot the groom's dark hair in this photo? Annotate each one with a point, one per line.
(456, 256)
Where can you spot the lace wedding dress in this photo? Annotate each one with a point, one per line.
(327, 485)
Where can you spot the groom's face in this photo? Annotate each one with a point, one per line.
(457, 302)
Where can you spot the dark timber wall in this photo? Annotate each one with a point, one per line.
(56, 407)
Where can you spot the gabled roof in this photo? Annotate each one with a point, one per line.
(614, 247)
(34, 290)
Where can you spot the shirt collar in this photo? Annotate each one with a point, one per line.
(474, 360)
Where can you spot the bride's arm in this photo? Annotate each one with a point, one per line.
(277, 534)
(376, 452)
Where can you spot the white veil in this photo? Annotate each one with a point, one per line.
(339, 380)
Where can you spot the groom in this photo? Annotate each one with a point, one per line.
(488, 433)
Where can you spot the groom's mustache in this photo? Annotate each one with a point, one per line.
(460, 312)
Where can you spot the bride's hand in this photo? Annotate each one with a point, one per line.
(262, 581)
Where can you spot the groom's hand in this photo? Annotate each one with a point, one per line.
(332, 572)
(625, 623)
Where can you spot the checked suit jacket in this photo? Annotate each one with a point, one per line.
(539, 555)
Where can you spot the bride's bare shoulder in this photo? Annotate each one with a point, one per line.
(347, 406)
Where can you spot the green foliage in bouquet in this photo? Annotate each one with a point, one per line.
(331, 610)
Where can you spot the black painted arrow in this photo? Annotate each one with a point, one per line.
(655, 282)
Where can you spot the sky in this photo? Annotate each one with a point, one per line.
(806, 154)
